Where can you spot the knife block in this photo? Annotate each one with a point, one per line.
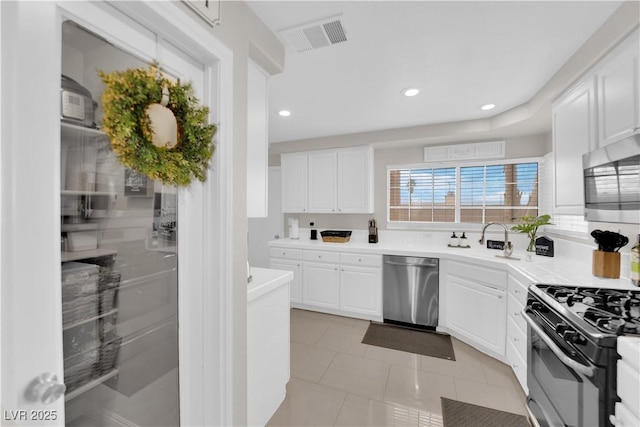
(606, 264)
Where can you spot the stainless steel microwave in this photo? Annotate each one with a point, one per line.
(612, 182)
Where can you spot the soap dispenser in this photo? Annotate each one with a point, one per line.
(453, 240)
(464, 242)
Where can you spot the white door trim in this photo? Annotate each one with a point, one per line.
(205, 314)
(205, 317)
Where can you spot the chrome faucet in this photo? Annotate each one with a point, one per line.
(508, 247)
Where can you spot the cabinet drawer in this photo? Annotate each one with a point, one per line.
(518, 289)
(629, 349)
(360, 259)
(285, 253)
(322, 256)
(514, 311)
(518, 364)
(629, 387)
(517, 338)
(624, 417)
(477, 273)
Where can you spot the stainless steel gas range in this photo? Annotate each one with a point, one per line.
(572, 351)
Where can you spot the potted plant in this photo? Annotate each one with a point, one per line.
(529, 225)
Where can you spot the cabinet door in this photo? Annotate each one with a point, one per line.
(361, 290)
(619, 95)
(573, 135)
(321, 285)
(355, 180)
(518, 364)
(295, 287)
(294, 182)
(322, 182)
(477, 312)
(257, 143)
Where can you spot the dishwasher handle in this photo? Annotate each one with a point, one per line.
(434, 263)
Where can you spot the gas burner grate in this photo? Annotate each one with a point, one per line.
(612, 323)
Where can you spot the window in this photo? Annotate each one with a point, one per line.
(470, 194)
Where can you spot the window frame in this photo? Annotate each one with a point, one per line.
(410, 225)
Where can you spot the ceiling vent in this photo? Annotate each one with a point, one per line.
(314, 35)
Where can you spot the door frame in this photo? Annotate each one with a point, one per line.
(205, 266)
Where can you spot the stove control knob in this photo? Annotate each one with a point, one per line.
(561, 328)
(536, 306)
(572, 336)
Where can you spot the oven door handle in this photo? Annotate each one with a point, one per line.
(578, 367)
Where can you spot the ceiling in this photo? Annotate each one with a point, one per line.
(461, 55)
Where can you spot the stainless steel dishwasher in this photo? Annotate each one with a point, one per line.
(410, 290)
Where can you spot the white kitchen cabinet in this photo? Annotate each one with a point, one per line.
(361, 290)
(257, 143)
(289, 260)
(342, 283)
(586, 118)
(476, 312)
(294, 182)
(322, 181)
(328, 181)
(574, 134)
(627, 411)
(295, 266)
(624, 417)
(355, 180)
(516, 350)
(619, 93)
(321, 284)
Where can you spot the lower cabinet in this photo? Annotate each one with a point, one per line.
(627, 412)
(342, 283)
(321, 284)
(517, 329)
(361, 290)
(516, 343)
(295, 290)
(476, 312)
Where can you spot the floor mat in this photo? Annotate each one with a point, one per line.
(461, 414)
(410, 340)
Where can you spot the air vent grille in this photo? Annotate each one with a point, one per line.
(316, 34)
(335, 32)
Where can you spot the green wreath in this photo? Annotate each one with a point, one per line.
(126, 122)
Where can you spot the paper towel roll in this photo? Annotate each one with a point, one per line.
(294, 229)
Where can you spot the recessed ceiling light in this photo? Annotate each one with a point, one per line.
(411, 91)
(284, 113)
(487, 107)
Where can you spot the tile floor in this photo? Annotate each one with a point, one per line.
(337, 380)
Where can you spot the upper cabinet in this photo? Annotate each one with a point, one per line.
(257, 143)
(574, 134)
(355, 178)
(619, 94)
(602, 108)
(328, 181)
(294, 182)
(323, 178)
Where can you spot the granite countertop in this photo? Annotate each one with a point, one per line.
(533, 268)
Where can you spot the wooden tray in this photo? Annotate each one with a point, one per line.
(335, 236)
